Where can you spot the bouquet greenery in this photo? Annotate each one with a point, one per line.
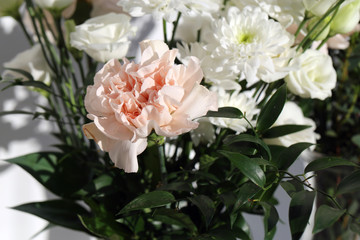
(181, 141)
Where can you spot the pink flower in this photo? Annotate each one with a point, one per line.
(128, 101)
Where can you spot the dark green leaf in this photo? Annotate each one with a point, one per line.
(58, 172)
(350, 183)
(356, 140)
(225, 112)
(58, 212)
(325, 217)
(327, 162)
(288, 156)
(247, 138)
(355, 226)
(206, 206)
(292, 186)
(283, 130)
(272, 109)
(299, 212)
(26, 74)
(249, 168)
(149, 200)
(271, 216)
(222, 233)
(15, 112)
(170, 216)
(246, 192)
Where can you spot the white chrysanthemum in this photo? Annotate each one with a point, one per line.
(285, 11)
(238, 100)
(204, 6)
(252, 44)
(216, 70)
(167, 9)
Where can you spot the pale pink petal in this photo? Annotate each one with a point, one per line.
(92, 132)
(198, 103)
(124, 154)
(113, 129)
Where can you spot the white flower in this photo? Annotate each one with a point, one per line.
(240, 100)
(316, 76)
(204, 133)
(167, 9)
(318, 7)
(252, 44)
(346, 18)
(54, 4)
(285, 11)
(101, 7)
(104, 37)
(10, 8)
(32, 61)
(203, 6)
(292, 114)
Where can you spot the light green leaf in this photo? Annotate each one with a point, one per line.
(149, 200)
(248, 167)
(327, 162)
(349, 184)
(272, 109)
(325, 217)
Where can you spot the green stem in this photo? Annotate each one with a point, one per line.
(174, 30)
(161, 150)
(165, 31)
(28, 37)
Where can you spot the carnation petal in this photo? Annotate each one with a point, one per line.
(92, 132)
(124, 154)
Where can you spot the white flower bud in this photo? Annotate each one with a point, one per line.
(346, 18)
(318, 7)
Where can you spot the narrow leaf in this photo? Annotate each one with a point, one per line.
(299, 212)
(206, 206)
(173, 217)
(247, 138)
(149, 200)
(350, 183)
(283, 130)
(246, 192)
(225, 112)
(58, 212)
(327, 162)
(248, 167)
(15, 112)
(272, 109)
(288, 156)
(325, 217)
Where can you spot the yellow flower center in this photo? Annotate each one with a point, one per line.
(244, 38)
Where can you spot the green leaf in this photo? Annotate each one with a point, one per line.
(173, 217)
(325, 217)
(249, 168)
(288, 156)
(356, 140)
(247, 138)
(58, 212)
(292, 186)
(225, 112)
(206, 206)
(355, 226)
(272, 109)
(247, 191)
(26, 74)
(271, 216)
(62, 174)
(299, 212)
(327, 162)
(283, 130)
(15, 112)
(149, 200)
(349, 184)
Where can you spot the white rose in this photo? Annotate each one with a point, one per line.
(318, 7)
(316, 76)
(10, 8)
(292, 114)
(104, 37)
(32, 61)
(346, 18)
(54, 4)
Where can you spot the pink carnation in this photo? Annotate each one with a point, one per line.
(128, 101)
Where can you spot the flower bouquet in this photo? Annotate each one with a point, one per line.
(201, 127)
